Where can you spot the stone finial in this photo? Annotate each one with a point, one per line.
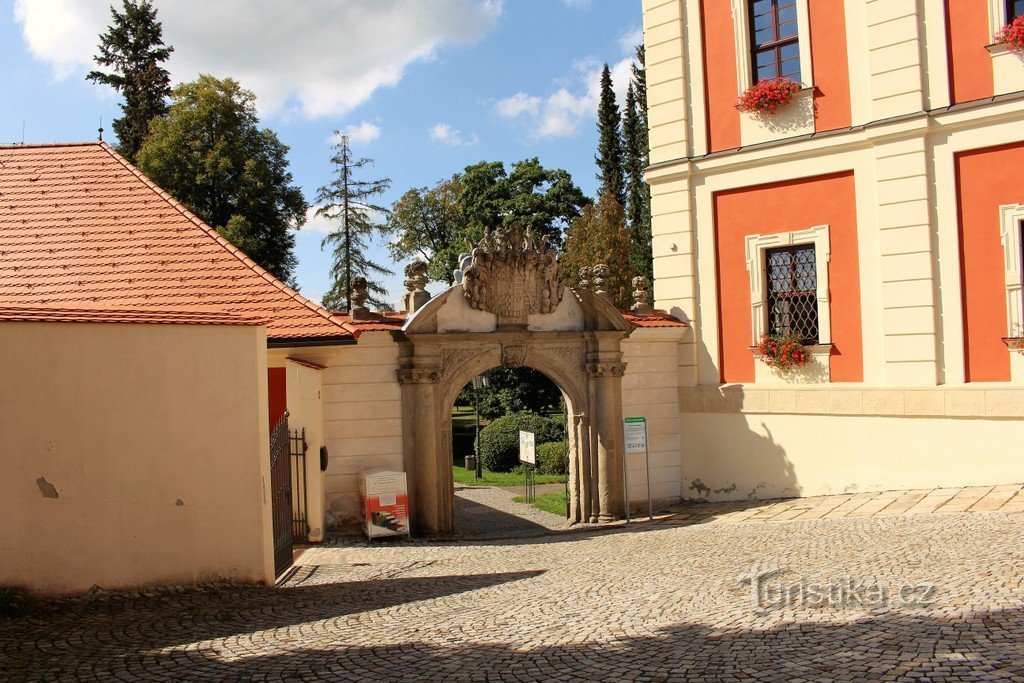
(601, 273)
(585, 274)
(465, 261)
(359, 295)
(641, 292)
(415, 283)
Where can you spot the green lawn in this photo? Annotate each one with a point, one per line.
(548, 502)
(468, 478)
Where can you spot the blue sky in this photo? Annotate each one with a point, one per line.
(425, 86)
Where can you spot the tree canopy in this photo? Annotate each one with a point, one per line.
(600, 236)
(209, 152)
(439, 223)
(638, 192)
(133, 50)
(610, 173)
(346, 200)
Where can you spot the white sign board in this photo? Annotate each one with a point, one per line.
(527, 448)
(636, 435)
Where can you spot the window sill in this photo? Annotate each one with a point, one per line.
(1014, 343)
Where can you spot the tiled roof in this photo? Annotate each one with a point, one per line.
(79, 225)
(377, 322)
(655, 319)
(117, 314)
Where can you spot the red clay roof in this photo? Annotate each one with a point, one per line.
(117, 314)
(655, 319)
(79, 225)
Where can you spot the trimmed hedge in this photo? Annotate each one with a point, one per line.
(499, 441)
(552, 458)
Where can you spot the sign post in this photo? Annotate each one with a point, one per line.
(528, 456)
(636, 442)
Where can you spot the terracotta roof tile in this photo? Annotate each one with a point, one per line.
(655, 319)
(79, 225)
(116, 314)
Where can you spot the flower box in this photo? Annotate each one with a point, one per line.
(1014, 343)
(767, 96)
(1012, 36)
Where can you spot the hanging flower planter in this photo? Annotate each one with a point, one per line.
(1012, 36)
(781, 352)
(765, 97)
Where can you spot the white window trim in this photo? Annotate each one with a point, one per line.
(741, 24)
(757, 245)
(996, 17)
(1011, 216)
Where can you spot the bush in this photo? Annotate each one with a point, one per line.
(552, 458)
(499, 441)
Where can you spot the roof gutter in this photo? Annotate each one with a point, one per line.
(296, 342)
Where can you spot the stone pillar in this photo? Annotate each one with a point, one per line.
(606, 409)
(422, 436)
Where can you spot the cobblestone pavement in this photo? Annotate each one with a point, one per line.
(487, 512)
(901, 597)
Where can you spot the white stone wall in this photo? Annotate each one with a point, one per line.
(650, 389)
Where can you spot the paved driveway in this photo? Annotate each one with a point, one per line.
(911, 597)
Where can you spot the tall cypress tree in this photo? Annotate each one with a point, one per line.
(133, 49)
(638, 193)
(609, 146)
(344, 199)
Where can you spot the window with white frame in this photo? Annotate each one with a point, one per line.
(1012, 234)
(1002, 12)
(789, 284)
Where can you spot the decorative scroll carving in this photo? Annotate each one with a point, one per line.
(572, 356)
(454, 357)
(606, 369)
(514, 274)
(418, 375)
(513, 355)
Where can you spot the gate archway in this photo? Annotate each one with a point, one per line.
(511, 310)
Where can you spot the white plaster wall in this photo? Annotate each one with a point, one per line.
(154, 438)
(362, 403)
(736, 456)
(650, 390)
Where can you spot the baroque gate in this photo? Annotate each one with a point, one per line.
(509, 308)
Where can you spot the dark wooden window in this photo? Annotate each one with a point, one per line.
(1014, 8)
(793, 292)
(774, 43)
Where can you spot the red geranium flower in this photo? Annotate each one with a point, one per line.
(1012, 35)
(765, 97)
(781, 352)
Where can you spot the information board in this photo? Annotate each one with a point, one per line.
(527, 448)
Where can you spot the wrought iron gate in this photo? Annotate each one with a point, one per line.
(281, 494)
(300, 518)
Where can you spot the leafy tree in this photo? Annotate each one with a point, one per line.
(133, 49)
(427, 224)
(512, 390)
(499, 441)
(600, 236)
(441, 222)
(609, 146)
(344, 199)
(209, 152)
(638, 193)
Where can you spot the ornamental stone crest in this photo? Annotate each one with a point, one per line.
(514, 274)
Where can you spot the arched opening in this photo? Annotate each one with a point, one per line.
(489, 479)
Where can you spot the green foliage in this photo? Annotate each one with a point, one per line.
(439, 223)
(499, 441)
(552, 458)
(513, 390)
(344, 199)
(133, 50)
(209, 152)
(638, 193)
(609, 159)
(555, 503)
(600, 236)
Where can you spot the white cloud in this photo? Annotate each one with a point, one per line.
(318, 58)
(328, 224)
(630, 40)
(564, 111)
(361, 133)
(445, 134)
(577, 4)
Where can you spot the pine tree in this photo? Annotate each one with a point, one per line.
(133, 49)
(638, 193)
(609, 146)
(344, 200)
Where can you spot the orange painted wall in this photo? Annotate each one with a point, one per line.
(277, 394)
(970, 64)
(986, 179)
(781, 207)
(831, 70)
(720, 75)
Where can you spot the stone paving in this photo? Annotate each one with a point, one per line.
(903, 596)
